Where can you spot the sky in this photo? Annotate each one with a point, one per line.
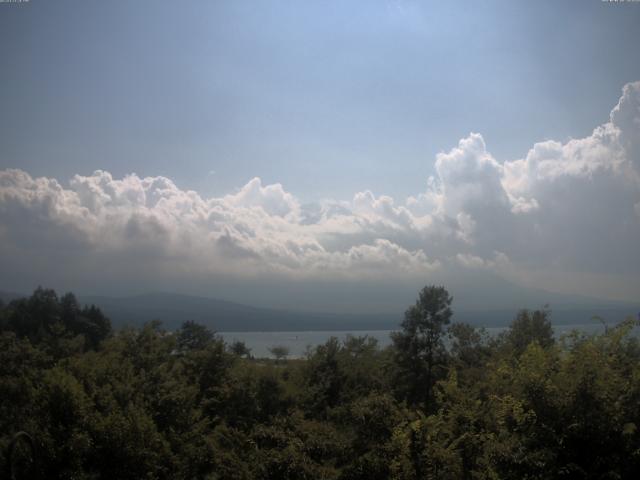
(321, 155)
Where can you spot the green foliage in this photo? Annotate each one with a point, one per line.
(147, 403)
(193, 336)
(336, 373)
(292, 448)
(419, 348)
(530, 327)
(60, 324)
(371, 422)
(280, 352)
(240, 349)
(253, 393)
(469, 346)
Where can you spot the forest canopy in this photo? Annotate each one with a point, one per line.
(445, 400)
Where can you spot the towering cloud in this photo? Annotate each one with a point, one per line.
(571, 209)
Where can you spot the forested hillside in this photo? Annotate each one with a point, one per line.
(149, 403)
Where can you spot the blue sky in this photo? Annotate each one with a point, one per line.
(327, 98)
(320, 145)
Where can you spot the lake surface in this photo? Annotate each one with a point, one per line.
(298, 342)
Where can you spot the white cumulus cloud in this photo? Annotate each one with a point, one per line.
(570, 207)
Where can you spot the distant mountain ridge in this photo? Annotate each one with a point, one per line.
(225, 316)
(221, 315)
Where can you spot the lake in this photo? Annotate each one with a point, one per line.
(298, 342)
